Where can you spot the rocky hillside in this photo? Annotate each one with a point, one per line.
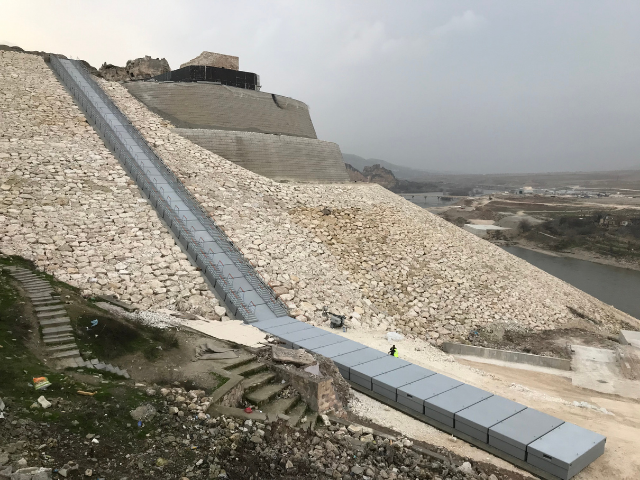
(372, 174)
(366, 252)
(357, 248)
(66, 203)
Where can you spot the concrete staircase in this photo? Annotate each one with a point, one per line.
(55, 325)
(270, 398)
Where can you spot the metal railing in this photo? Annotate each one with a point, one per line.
(100, 118)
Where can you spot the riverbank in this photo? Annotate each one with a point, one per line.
(578, 254)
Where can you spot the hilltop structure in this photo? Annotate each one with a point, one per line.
(222, 109)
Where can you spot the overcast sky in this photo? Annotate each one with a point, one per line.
(468, 86)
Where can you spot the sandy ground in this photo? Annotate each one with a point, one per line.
(615, 417)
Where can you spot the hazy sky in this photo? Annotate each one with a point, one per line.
(469, 86)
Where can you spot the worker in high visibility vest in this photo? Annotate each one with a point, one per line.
(393, 351)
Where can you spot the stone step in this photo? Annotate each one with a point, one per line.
(69, 362)
(280, 407)
(236, 413)
(42, 303)
(70, 353)
(34, 282)
(66, 346)
(40, 296)
(230, 363)
(60, 312)
(264, 394)
(66, 328)
(249, 368)
(52, 339)
(296, 413)
(38, 289)
(46, 308)
(258, 380)
(53, 321)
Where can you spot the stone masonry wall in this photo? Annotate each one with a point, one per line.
(219, 107)
(66, 203)
(278, 157)
(366, 252)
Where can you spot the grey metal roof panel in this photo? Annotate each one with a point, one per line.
(379, 366)
(456, 399)
(524, 427)
(485, 414)
(566, 444)
(402, 376)
(318, 342)
(288, 328)
(341, 348)
(429, 387)
(304, 334)
(357, 357)
(274, 322)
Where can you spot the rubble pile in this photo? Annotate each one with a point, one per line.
(183, 441)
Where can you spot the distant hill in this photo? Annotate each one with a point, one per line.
(403, 173)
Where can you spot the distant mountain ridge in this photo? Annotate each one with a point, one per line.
(400, 172)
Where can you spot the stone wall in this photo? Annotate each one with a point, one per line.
(66, 203)
(210, 106)
(366, 252)
(279, 157)
(212, 59)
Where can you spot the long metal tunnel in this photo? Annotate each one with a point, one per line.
(532, 440)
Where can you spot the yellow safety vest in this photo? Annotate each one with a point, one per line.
(395, 353)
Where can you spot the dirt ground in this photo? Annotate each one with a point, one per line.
(550, 343)
(548, 393)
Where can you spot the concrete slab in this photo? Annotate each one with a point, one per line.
(629, 337)
(566, 450)
(233, 330)
(275, 322)
(388, 383)
(515, 433)
(443, 407)
(479, 418)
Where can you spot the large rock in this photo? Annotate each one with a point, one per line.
(143, 413)
(211, 59)
(138, 69)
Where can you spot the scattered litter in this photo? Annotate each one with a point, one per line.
(94, 323)
(41, 383)
(88, 394)
(248, 410)
(44, 403)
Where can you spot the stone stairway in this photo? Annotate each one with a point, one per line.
(270, 398)
(55, 325)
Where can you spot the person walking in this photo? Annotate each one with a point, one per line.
(393, 351)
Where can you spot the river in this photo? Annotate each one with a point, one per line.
(616, 286)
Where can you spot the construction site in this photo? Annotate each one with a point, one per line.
(191, 288)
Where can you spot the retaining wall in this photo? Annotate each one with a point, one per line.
(279, 157)
(507, 356)
(212, 106)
